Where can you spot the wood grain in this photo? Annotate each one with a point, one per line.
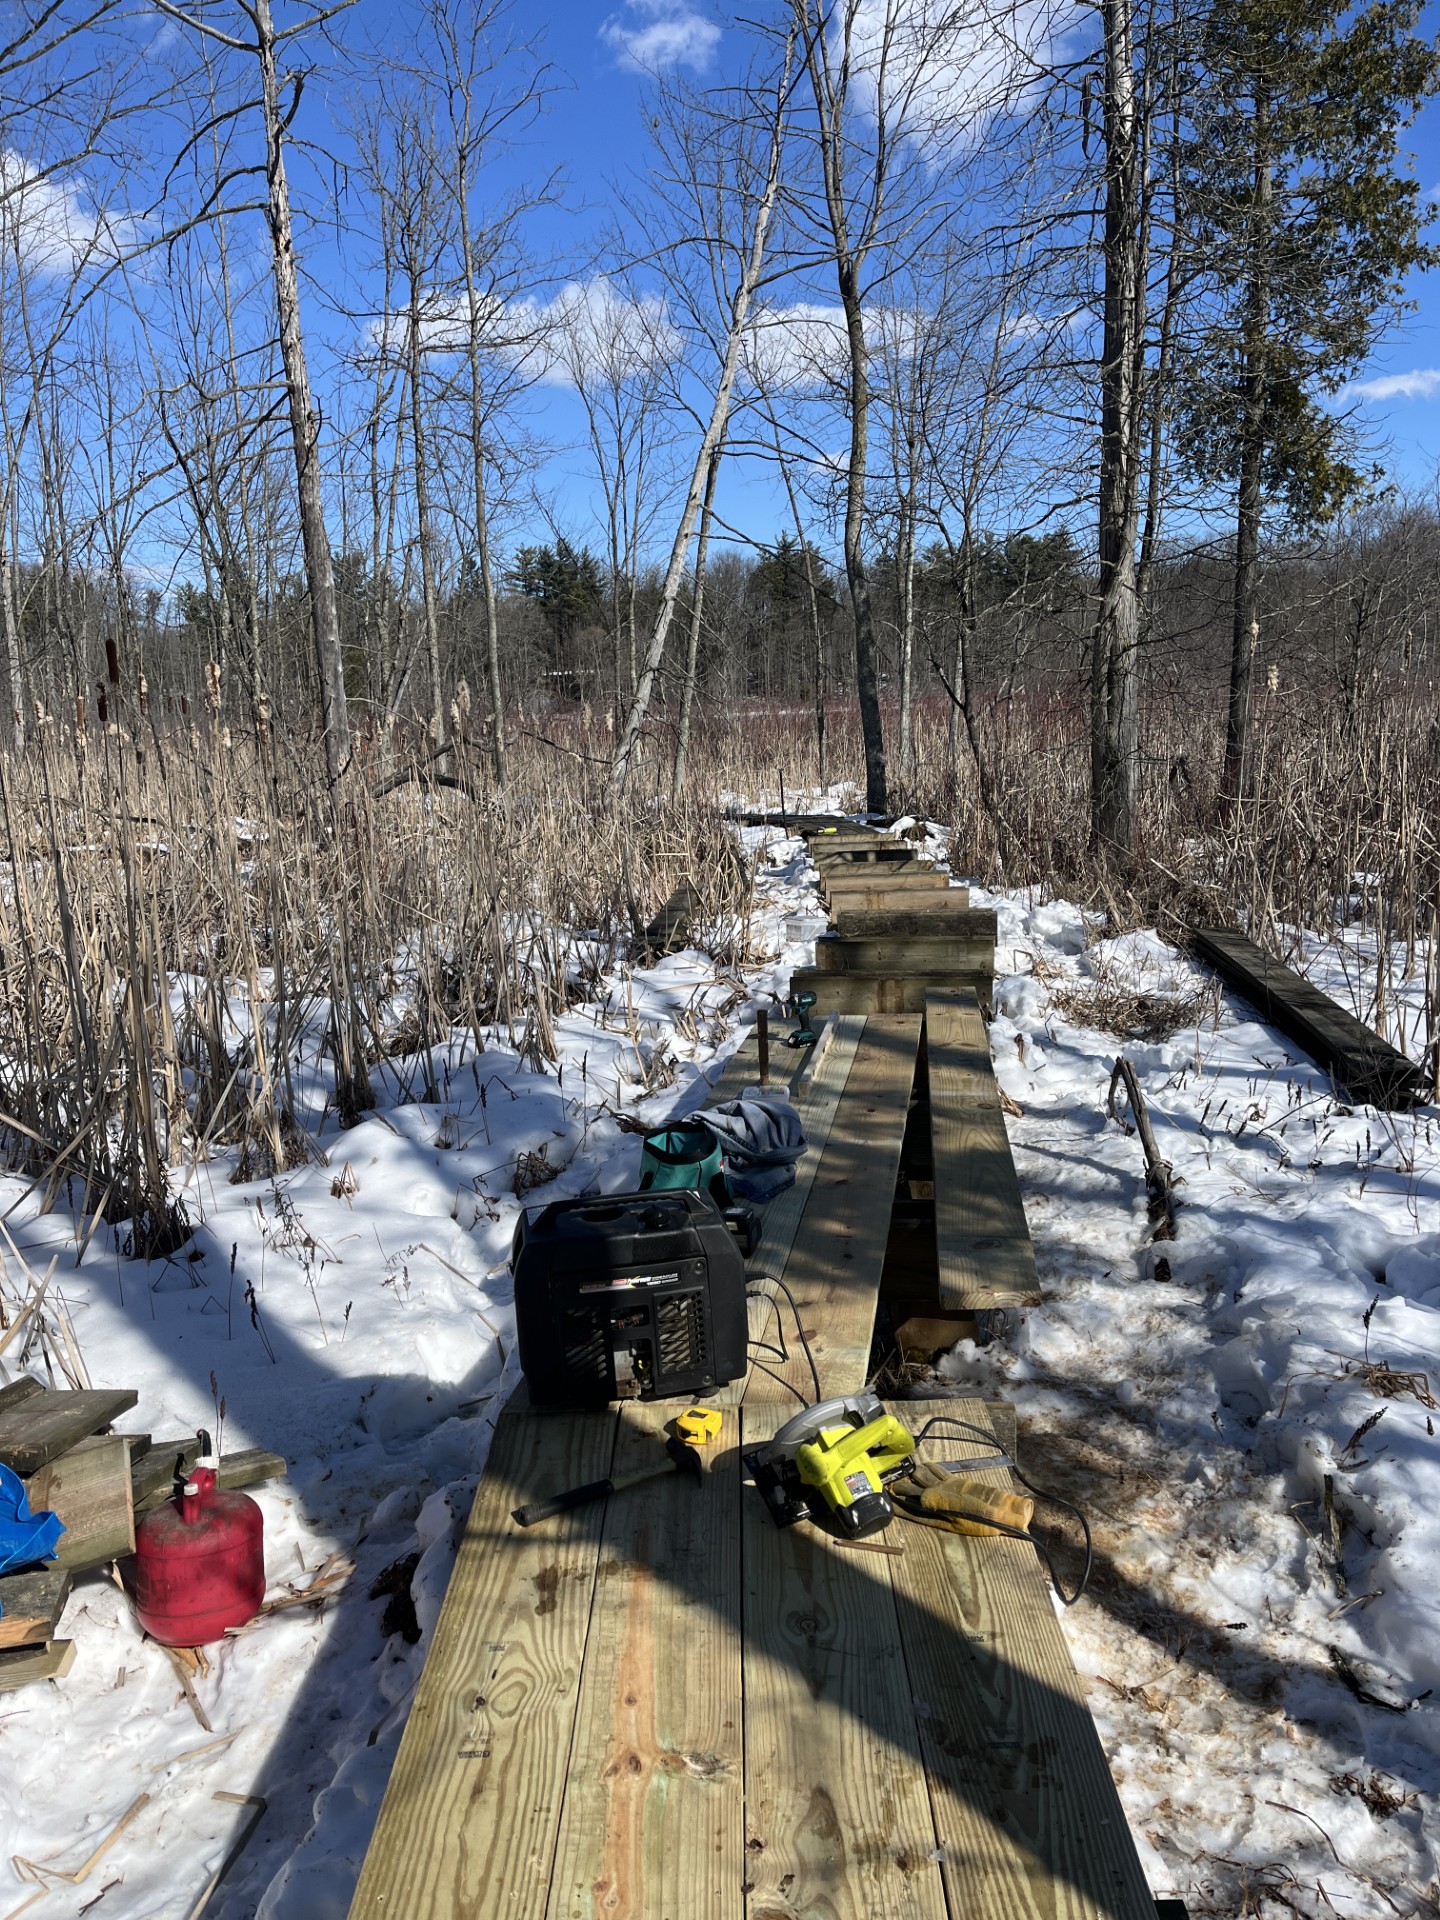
(31, 1605)
(653, 1826)
(46, 1424)
(21, 1666)
(1026, 1810)
(471, 1816)
(893, 992)
(967, 951)
(982, 1242)
(837, 1812)
(88, 1486)
(920, 922)
(838, 1251)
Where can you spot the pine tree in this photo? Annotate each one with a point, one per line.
(1302, 226)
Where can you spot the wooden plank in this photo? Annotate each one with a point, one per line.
(20, 1666)
(818, 1090)
(670, 928)
(18, 1392)
(88, 1486)
(1368, 1068)
(154, 1483)
(45, 1425)
(31, 1605)
(838, 882)
(891, 855)
(472, 1813)
(837, 1811)
(916, 892)
(982, 1241)
(891, 993)
(838, 1252)
(957, 1038)
(1029, 1823)
(932, 916)
(654, 1813)
(941, 953)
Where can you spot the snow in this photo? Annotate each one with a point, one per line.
(1197, 1420)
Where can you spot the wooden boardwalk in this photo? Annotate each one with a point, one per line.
(663, 1708)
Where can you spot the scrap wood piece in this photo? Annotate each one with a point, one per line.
(183, 1670)
(232, 1471)
(89, 1487)
(1159, 1174)
(47, 1424)
(328, 1578)
(19, 1666)
(31, 1605)
(259, 1806)
(42, 1871)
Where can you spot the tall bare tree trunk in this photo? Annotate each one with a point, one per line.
(1114, 712)
(424, 524)
(1245, 630)
(10, 631)
(304, 426)
(692, 647)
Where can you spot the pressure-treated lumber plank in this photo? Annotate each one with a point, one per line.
(937, 914)
(654, 1814)
(837, 1812)
(818, 1090)
(891, 991)
(42, 1426)
(19, 1391)
(892, 855)
(472, 1812)
(982, 1241)
(914, 892)
(31, 1605)
(1367, 1067)
(841, 882)
(19, 1666)
(88, 1486)
(956, 1036)
(670, 928)
(967, 951)
(838, 1251)
(155, 1482)
(1029, 1822)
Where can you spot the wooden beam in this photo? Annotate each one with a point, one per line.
(915, 892)
(670, 929)
(931, 916)
(18, 1392)
(31, 1605)
(20, 1666)
(982, 1242)
(1027, 1816)
(838, 1251)
(891, 992)
(837, 1810)
(45, 1424)
(654, 1819)
(471, 1816)
(966, 950)
(1366, 1067)
(88, 1486)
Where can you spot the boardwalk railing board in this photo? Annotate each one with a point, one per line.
(1368, 1068)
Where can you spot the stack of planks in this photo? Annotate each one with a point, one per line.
(899, 928)
(62, 1446)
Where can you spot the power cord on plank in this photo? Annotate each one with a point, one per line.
(971, 1432)
(755, 1294)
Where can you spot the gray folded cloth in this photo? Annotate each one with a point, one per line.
(761, 1129)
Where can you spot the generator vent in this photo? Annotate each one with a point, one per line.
(587, 1358)
(680, 1333)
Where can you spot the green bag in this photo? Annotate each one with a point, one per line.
(687, 1155)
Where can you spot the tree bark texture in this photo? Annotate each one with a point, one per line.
(304, 425)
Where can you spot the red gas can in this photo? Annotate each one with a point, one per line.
(199, 1564)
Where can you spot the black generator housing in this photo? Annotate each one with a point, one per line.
(633, 1296)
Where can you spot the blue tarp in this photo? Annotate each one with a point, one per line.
(24, 1536)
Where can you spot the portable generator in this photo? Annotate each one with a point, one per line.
(634, 1296)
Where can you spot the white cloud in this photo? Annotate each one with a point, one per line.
(944, 71)
(1422, 384)
(47, 223)
(589, 331)
(806, 345)
(652, 35)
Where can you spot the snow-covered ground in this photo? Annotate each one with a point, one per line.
(1267, 1707)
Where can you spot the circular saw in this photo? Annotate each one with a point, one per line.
(831, 1463)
